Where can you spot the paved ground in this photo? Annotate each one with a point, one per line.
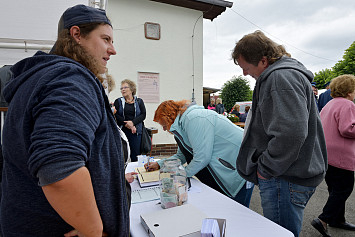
(313, 209)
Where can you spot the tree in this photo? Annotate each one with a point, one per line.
(234, 90)
(347, 65)
(322, 77)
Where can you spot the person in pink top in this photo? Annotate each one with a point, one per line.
(338, 121)
(212, 105)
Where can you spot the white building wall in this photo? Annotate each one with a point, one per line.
(23, 19)
(173, 56)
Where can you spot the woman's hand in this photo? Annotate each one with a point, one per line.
(152, 166)
(130, 176)
(128, 124)
(77, 233)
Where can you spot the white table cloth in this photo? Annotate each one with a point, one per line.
(241, 221)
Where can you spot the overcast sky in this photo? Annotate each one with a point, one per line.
(315, 32)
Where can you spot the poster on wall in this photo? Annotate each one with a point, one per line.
(148, 87)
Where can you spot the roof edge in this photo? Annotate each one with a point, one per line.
(210, 8)
(221, 3)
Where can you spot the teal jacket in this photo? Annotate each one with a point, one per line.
(214, 142)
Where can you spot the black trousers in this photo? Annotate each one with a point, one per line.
(340, 185)
(134, 143)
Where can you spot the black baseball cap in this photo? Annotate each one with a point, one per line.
(79, 15)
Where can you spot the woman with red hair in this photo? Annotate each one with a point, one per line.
(209, 143)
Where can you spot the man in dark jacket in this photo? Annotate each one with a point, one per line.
(284, 147)
(63, 165)
(325, 97)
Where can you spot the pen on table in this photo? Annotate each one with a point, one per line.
(147, 168)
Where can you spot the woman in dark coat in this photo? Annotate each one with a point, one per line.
(130, 116)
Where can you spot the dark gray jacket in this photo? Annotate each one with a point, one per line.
(285, 135)
(220, 108)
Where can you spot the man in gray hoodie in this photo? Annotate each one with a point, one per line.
(284, 149)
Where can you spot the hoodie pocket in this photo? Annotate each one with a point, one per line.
(226, 164)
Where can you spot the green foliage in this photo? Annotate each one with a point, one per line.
(347, 65)
(236, 89)
(322, 77)
(250, 95)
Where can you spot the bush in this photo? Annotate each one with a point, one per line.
(236, 89)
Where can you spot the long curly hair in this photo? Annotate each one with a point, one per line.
(67, 46)
(167, 111)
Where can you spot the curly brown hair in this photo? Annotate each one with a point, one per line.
(167, 111)
(342, 85)
(132, 85)
(111, 84)
(254, 46)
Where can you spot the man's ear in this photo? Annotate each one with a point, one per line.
(264, 61)
(75, 33)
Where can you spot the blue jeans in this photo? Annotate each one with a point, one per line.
(284, 202)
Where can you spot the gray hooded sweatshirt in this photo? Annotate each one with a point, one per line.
(285, 136)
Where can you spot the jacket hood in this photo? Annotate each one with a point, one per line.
(180, 118)
(25, 68)
(287, 63)
(192, 107)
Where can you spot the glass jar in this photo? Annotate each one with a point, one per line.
(173, 183)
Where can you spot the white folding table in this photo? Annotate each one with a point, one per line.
(240, 221)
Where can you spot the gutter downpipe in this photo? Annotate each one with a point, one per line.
(25, 46)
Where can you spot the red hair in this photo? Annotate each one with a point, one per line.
(167, 111)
